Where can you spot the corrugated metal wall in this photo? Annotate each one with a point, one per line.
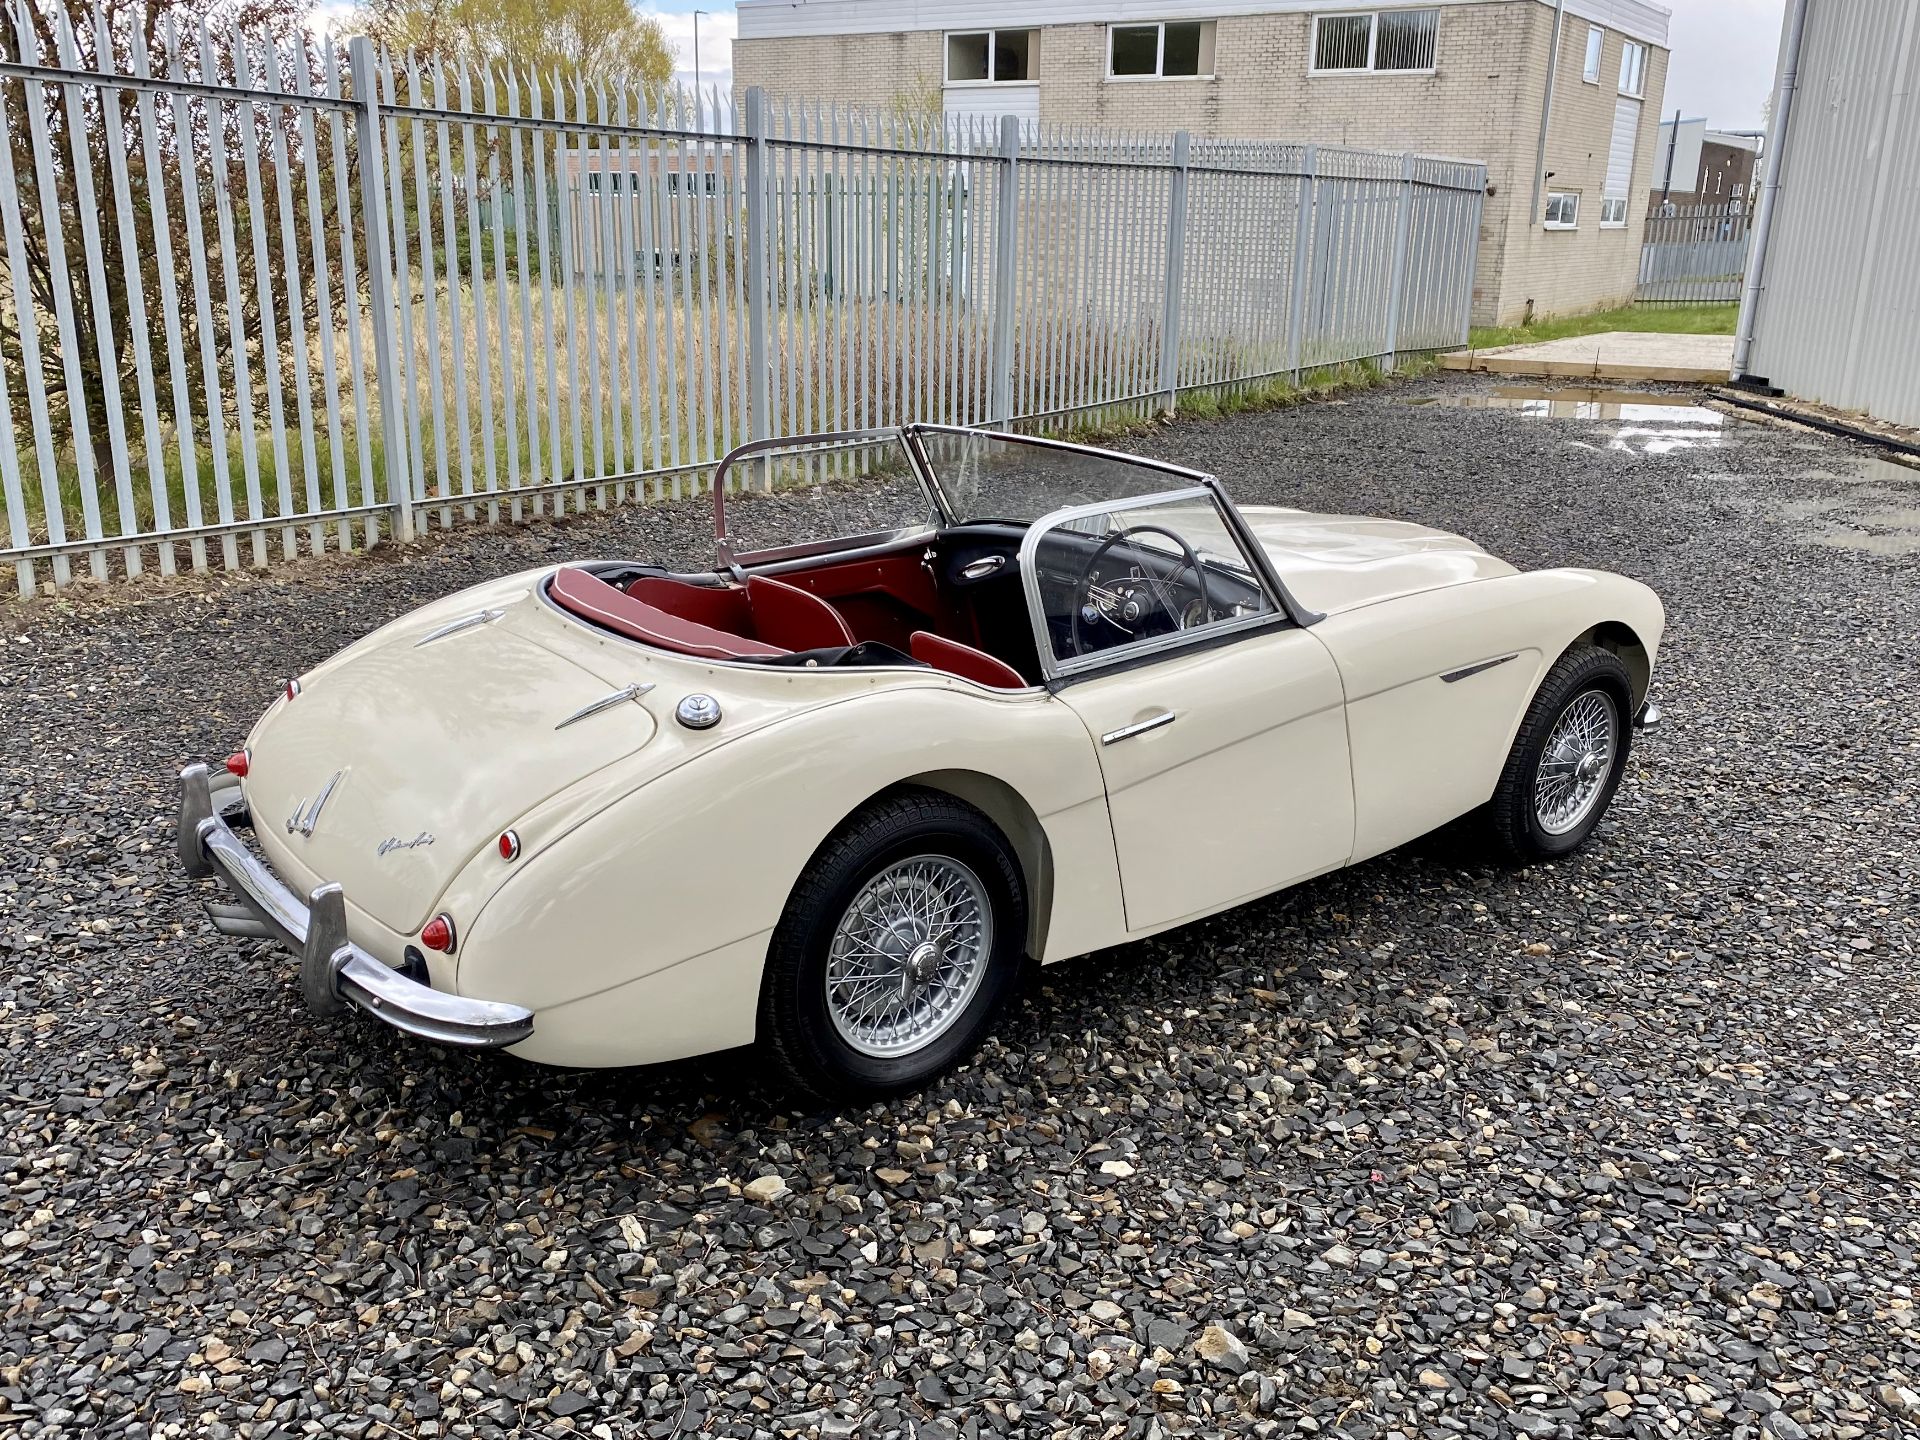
(1839, 318)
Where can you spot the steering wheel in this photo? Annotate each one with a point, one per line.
(1083, 586)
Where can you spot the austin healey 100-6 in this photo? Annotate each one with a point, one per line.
(827, 797)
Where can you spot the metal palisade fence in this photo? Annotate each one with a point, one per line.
(263, 297)
(1694, 254)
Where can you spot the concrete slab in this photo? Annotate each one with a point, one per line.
(1612, 355)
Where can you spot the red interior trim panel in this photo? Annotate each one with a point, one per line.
(966, 662)
(592, 599)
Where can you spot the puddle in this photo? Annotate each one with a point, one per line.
(1897, 545)
(1891, 471)
(1649, 424)
(1632, 420)
(1892, 530)
(1539, 402)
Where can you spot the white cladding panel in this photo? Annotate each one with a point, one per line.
(775, 19)
(1839, 312)
(1684, 154)
(1021, 100)
(1626, 134)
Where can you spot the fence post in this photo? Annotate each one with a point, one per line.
(1304, 222)
(373, 219)
(1402, 229)
(1476, 213)
(759, 362)
(1176, 275)
(1005, 270)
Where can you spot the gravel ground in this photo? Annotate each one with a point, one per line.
(1623, 1146)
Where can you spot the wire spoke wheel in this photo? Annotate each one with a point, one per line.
(1576, 762)
(908, 955)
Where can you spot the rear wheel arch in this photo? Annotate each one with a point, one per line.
(803, 1012)
(1008, 811)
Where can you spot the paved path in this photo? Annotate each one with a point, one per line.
(1613, 355)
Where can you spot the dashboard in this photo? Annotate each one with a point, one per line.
(1099, 592)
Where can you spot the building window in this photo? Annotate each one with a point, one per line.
(1613, 213)
(1633, 69)
(1563, 210)
(989, 57)
(1595, 38)
(1174, 50)
(1376, 40)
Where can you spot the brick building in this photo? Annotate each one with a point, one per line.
(1464, 78)
(1695, 165)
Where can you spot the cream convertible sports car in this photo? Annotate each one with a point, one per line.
(826, 797)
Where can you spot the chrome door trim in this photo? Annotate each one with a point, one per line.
(1127, 732)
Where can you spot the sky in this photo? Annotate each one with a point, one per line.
(1724, 52)
(716, 37)
(1722, 67)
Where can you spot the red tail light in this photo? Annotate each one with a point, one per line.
(437, 934)
(293, 688)
(509, 845)
(237, 763)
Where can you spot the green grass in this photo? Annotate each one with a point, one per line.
(1665, 319)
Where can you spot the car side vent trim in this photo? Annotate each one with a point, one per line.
(605, 702)
(466, 622)
(1461, 674)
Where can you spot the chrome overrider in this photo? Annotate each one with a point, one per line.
(333, 970)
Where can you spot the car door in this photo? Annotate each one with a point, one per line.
(1222, 741)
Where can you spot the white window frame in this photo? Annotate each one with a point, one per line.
(1596, 54)
(1553, 195)
(1633, 62)
(946, 57)
(1160, 49)
(1373, 41)
(1607, 203)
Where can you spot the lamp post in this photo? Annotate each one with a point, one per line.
(696, 46)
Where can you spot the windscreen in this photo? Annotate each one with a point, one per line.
(998, 477)
(838, 489)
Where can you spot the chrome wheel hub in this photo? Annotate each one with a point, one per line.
(1574, 766)
(908, 955)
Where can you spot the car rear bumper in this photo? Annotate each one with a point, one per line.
(334, 972)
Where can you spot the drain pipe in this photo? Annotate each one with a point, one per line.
(1546, 112)
(1769, 191)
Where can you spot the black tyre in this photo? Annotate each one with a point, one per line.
(1566, 760)
(895, 949)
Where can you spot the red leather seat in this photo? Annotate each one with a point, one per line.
(593, 599)
(965, 661)
(719, 607)
(792, 618)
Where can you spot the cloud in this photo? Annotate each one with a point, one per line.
(717, 29)
(1723, 59)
